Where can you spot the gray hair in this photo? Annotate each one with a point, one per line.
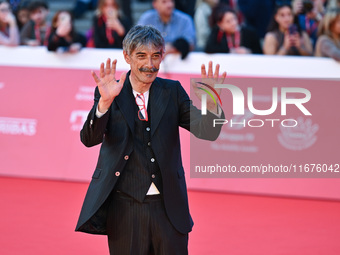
(142, 35)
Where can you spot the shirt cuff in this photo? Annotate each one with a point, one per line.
(99, 114)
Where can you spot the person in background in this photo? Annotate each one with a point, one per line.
(82, 6)
(109, 28)
(14, 4)
(63, 37)
(328, 44)
(201, 19)
(186, 6)
(22, 14)
(36, 31)
(228, 37)
(257, 14)
(331, 4)
(284, 36)
(177, 27)
(309, 13)
(9, 33)
(302, 6)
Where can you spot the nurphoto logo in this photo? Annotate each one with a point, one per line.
(289, 96)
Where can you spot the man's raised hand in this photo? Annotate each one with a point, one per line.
(210, 79)
(107, 84)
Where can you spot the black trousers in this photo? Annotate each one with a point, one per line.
(136, 228)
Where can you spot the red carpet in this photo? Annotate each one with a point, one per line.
(38, 217)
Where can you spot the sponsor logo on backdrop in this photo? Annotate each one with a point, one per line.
(77, 119)
(85, 93)
(300, 137)
(18, 126)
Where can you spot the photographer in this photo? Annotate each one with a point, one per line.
(63, 37)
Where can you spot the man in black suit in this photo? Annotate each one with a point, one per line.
(138, 194)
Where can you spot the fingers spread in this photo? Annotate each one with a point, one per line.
(217, 70)
(108, 66)
(113, 70)
(95, 77)
(210, 70)
(223, 76)
(203, 71)
(101, 70)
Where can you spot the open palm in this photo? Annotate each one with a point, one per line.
(210, 79)
(107, 84)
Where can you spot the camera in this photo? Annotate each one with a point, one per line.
(292, 29)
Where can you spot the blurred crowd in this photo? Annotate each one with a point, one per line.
(272, 27)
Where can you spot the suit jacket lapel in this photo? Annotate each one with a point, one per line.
(125, 101)
(158, 101)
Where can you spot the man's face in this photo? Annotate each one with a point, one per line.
(39, 15)
(164, 7)
(144, 62)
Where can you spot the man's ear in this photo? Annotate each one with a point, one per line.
(127, 57)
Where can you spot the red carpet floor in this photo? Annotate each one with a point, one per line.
(38, 217)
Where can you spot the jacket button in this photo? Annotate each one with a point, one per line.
(153, 176)
(91, 122)
(126, 157)
(152, 160)
(148, 129)
(149, 143)
(117, 173)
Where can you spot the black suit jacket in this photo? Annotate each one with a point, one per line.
(171, 108)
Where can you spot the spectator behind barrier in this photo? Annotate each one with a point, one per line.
(186, 6)
(36, 31)
(82, 6)
(309, 13)
(22, 14)
(109, 27)
(257, 14)
(328, 44)
(9, 33)
(284, 36)
(228, 37)
(331, 4)
(303, 6)
(63, 37)
(14, 4)
(177, 27)
(202, 26)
